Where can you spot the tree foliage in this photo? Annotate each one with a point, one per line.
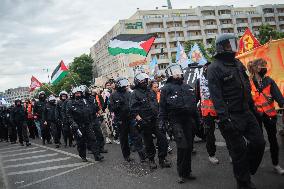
(267, 32)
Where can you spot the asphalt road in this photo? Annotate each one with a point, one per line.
(45, 167)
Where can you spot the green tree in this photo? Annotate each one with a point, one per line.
(82, 66)
(267, 32)
(207, 52)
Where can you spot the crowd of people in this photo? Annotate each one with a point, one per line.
(143, 117)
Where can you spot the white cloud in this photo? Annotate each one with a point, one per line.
(37, 34)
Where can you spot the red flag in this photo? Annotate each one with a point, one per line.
(247, 42)
(34, 84)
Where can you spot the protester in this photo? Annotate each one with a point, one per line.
(177, 106)
(229, 90)
(208, 112)
(264, 93)
(38, 111)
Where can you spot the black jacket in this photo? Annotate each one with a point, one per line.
(93, 107)
(49, 113)
(78, 112)
(39, 108)
(18, 115)
(274, 89)
(177, 100)
(229, 87)
(119, 104)
(143, 103)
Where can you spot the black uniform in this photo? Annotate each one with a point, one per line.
(93, 108)
(19, 119)
(79, 117)
(144, 103)
(119, 104)
(12, 130)
(178, 106)
(230, 93)
(52, 126)
(62, 119)
(3, 125)
(38, 111)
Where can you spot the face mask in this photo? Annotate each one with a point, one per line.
(178, 80)
(78, 97)
(262, 72)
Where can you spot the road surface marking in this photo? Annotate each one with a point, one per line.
(12, 155)
(31, 157)
(57, 175)
(13, 147)
(37, 162)
(62, 152)
(45, 169)
(25, 149)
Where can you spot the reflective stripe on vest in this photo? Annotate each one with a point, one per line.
(261, 102)
(207, 107)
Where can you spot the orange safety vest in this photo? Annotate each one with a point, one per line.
(99, 102)
(207, 107)
(158, 96)
(261, 102)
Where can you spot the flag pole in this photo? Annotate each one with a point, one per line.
(73, 79)
(48, 89)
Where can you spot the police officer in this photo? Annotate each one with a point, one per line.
(178, 107)
(94, 109)
(3, 125)
(144, 109)
(50, 122)
(38, 111)
(12, 130)
(230, 92)
(19, 119)
(61, 117)
(79, 118)
(119, 104)
(208, 113)
(265, 92)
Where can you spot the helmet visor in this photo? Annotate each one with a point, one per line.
(142, 76)
(123, 83)
(234, 45)
(175, 70)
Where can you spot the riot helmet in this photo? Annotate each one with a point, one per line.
(141, 80)
(62, 94)
(121, 82)
(52, 99)
(174, 71)
(226, 43)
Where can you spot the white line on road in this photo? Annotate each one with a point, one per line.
(24, 149)
(12, 155)
(37, 162)
(45, 169)
(31, 157)
(62, 152)
(57, 175)
(13, 147)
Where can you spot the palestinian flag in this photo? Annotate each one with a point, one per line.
(131, 44)
(59, 73)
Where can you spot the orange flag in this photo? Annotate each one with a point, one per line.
(247, 42)
(273, 53)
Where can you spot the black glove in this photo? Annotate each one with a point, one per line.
(162, 126)
(141, 122)
(226, 125)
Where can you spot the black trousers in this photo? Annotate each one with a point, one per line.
(151, 128)
(209, 126)
(67, 134)
(12, 130)
(246, 144)
(100, 141)
(4, 132)
(88, 138)
(269, 124)
(183, 134)
(32, 128)
(56, 130)
(22, 130)
(45, 132)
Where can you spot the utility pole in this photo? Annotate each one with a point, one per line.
(169, 4)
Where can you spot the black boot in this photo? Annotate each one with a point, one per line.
(180, 180)
(128, 159)
(103, 151)
(99, 157)
(164, 163)
(142, 157)
(152, 164)
(28, 144)
(84, 159)
(43, 142)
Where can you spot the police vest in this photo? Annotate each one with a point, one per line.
(207, 107)
(262, 100)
